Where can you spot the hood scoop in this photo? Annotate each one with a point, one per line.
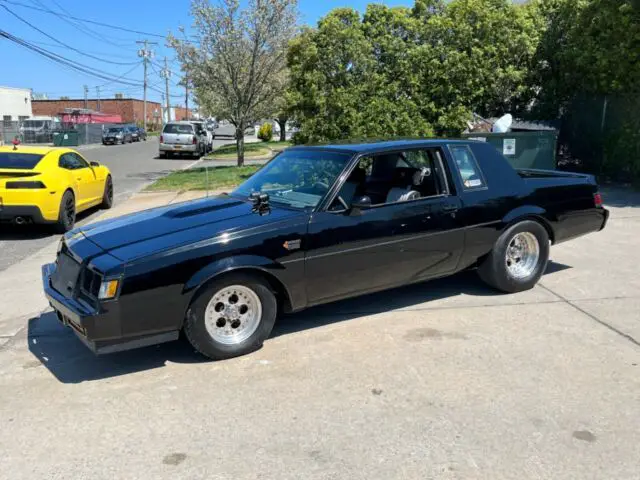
(190, 211)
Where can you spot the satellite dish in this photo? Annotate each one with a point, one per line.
(503, 124)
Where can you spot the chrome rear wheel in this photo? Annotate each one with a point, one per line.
(522, 255)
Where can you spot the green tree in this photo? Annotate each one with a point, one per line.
(410, 71)
(236, 61)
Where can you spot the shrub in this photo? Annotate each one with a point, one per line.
(266, 132)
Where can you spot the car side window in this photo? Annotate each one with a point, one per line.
(393, 177)
(467, 166)
(80, 162)
(71, 161)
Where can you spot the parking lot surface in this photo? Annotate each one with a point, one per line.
(443, 380)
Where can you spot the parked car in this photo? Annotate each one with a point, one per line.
(316, 224)
(181, 138)
(49, 185)
(133, 130)
(201, 129)
(141, 134)
(115, 135)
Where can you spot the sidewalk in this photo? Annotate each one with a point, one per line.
(21, 284)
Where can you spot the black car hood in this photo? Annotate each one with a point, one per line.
(151, 231)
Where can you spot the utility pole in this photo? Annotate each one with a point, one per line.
(98, 94)
(86, 93)
(166, 74)
(162, 114)
(145, 53)
(186, 96)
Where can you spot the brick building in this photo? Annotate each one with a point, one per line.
(130, 109)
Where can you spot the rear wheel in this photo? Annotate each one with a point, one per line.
(162, 155)
(67, 213)
(107, 196)
(232, 316)
(518, 259)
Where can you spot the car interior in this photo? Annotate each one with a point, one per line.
(394, 177)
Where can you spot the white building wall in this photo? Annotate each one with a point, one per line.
(15, 103)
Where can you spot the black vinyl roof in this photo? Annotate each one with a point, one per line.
(374, 145)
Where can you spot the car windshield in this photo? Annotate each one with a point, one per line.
(12, 160)
(177, 128)
(115, 130)
(297, 178)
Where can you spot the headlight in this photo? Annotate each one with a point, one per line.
(108, 289)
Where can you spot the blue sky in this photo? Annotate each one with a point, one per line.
(23, 68)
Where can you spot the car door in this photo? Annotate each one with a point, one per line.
(352, 252)
(95, 188)
(81, 177)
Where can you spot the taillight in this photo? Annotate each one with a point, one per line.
(597, 200)
(161, 139)
(195, 140)
(25, 185)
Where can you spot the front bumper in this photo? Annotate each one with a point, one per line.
(98, 328)
(170, 147)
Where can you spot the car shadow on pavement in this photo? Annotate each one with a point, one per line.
(31, 231)
(70, 361)
(466, 283)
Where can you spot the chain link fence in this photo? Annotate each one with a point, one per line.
(41, 133)
(600, 134)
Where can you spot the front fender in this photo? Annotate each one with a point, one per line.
(229, 264)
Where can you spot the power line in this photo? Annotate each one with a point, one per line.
(106, 25)
(54, 45)
(67, 62)
(77, 25)
(115, 80)
(62, 43)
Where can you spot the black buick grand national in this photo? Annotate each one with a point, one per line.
(314, 225)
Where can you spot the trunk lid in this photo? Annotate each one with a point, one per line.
(16, 175)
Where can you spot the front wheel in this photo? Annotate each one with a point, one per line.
(518, 259)
(107, 196)
(232, 316)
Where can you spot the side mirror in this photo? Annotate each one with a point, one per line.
(361, 203)
(94, 164)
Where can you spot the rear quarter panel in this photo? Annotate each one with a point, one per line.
(563, 204)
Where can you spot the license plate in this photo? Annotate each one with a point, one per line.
(177, 147)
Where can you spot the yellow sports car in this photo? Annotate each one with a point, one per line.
(50, 185)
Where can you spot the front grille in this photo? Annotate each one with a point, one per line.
(91, 283)
(65, 277)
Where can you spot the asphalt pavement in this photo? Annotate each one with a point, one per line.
(133, 166)
(443, 380)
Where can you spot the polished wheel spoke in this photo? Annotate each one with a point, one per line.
(522, 255)
(233, 314)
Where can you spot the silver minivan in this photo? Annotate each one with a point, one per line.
(181, 138)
